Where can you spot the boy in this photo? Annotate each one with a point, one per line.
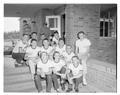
(74, 74)
(82, 47)
(68, 54)
(58, 70)
(44, 71)
(61, 47)
(33, 36)
(31, 55)
(19, 50)
(56, 37)
(46, 47)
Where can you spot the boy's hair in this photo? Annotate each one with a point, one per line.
(33, 40)
(25, 34)
(62, 40)
(77, 58)
(42, 53)
(44, 40)
(24, 21)
(54, 54)
(81, 32)
(33, 22)
(34, 33)
(56, 32)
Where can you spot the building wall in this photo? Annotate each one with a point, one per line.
(39, 17)
(86, 18)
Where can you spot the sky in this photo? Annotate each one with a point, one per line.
(11, 24)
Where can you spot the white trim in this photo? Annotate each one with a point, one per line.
(58, 28)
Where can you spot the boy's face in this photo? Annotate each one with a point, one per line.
(68, 49)
(56, 35)
(61, 43)
(34, 44)
(81, 36)
(42, 37)
(45, 43)
(44, 57)
(34, 36)
(25, 38)
(75, 61)
(57, 56)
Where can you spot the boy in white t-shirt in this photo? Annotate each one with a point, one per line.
(68, 54)
(59, 69)
(46, 47)
(44, 71)
(18, 52)
(31, 55)
(61, 48)
(56, 37)
(82, 47)
(33, 36)
(74, 74)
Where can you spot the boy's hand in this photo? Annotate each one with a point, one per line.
(63, 76)
(43, 74)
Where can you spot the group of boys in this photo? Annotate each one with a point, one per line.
(55, 62)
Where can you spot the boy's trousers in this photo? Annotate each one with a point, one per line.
(38, 84)
(18, 56)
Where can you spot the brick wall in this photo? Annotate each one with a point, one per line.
(86, 18)
(39, 17)
(82, 18)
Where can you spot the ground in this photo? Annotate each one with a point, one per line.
(19, 79)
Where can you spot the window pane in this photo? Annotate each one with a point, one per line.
(101, 32)
(106, 29)
(101, 24)
(51, 23)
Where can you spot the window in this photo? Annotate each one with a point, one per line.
(106, 27)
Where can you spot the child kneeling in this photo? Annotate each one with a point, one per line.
(74, 74)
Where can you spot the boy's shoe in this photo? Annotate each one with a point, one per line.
(77, 90)
(18, 65)
(84, 84)
(69, 90)
(58, 90)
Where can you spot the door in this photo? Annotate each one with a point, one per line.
(54, 23)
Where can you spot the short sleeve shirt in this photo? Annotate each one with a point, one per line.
(82, 45)
(61, 50)
(75, 70)
(59, 65)
(45, 67)
(46, 50)
(18, 45)
(32, 52)
(68, 56)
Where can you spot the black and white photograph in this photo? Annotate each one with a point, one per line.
(60, 48)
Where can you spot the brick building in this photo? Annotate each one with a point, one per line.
(98, 21)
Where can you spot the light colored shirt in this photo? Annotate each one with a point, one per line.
(75, 70)
(19, 44)
(61, 50)
(55, 40)
(46, 50)
(59, 65)
(68, 56)
(45, 67)
(32, 52)
(83, 45)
